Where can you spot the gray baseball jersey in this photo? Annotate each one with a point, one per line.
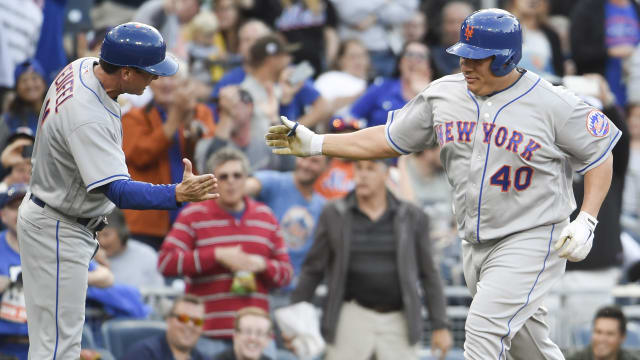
(78, 145)
(509, 157)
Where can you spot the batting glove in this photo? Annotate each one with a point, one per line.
(291, 138)
(577, 238)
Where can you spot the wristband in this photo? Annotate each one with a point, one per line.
(316, 144)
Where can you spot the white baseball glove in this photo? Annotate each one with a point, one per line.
(577, 238)
(291, 138)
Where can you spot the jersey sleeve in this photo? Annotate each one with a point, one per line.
(410, 129)
(587, 137)
(98, 156)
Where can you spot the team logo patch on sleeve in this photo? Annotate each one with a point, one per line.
(597, 123)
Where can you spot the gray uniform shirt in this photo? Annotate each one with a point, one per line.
(509, 157)
(78, 145)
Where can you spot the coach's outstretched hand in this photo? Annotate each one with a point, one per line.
(196, 187)
(291, 138)
(577, 238)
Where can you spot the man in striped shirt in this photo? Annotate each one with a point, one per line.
(214, 244)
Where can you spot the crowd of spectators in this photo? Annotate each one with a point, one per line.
(285, 228)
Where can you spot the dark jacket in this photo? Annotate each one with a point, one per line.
(329, 256)
(587, 354)
(155, 348)
(587, 37)
(607, 248)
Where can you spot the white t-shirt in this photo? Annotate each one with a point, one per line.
(336, 84)
(136, 266)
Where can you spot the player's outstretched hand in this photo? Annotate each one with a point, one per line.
(196, 187)
(577, 238)
(291, 138)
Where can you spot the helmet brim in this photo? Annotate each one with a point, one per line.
(471, 52)
(167, 67)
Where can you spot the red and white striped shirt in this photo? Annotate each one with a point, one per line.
(188, 250)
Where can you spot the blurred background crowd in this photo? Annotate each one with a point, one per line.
(216, 271)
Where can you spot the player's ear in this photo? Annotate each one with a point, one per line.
(126, 72)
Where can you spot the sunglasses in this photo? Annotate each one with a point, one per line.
(186, 318)
(225, 176)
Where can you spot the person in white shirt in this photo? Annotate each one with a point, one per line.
(132, 262)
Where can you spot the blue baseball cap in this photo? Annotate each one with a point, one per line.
(13, 192)
(28, 65)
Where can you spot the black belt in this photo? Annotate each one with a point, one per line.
(82, 221)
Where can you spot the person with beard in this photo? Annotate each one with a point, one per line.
(297, 212)
(184, 327)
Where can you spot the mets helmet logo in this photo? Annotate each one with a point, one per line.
(468, 32)
(597, 123)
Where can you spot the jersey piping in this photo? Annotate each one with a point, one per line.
(486, 159)
(90, 89)
(581, 171)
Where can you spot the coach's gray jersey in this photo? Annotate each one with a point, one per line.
(509, 157)
(78, 144)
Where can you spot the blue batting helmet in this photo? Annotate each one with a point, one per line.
(140, 46)
(491, 32)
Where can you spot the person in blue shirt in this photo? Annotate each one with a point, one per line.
(393, 93)
(306, 96)
(298, 210)
(13, 316)
(22, 112)
(184, 327)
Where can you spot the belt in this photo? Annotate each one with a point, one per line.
(82, 221)
(383, 309)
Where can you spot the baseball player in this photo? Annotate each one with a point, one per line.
(510, 142)
(80, 175)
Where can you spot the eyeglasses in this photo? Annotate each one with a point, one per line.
(186, 318)
(253, 333)
(225, 176)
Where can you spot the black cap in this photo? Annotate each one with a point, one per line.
(269, 45)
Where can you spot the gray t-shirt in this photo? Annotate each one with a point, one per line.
(78, 146)
(509, 157)
(137, 266)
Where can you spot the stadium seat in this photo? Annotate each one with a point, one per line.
(453, 354)
(87, 338)
(119, 335)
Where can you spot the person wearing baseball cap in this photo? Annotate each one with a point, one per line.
(13, 320)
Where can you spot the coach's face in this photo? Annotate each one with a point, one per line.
(477, 73)
(607, 338)
(134, 81)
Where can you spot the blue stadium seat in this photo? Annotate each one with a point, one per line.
(582, 336)
(119, 335)
(87, 338)
(453, 354)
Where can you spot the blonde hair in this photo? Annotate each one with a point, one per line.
(314, 5)
(251, 310)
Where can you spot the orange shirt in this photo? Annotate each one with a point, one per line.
(337, 181)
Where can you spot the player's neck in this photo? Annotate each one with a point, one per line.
(109, 83)
(503, 82)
